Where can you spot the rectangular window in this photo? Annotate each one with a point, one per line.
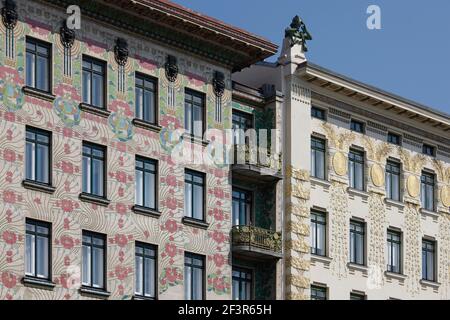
(318, 293)
(318, 233)
(241, 123)
(429, 260)
(357, 126)
(194, 109)
(194, 279)
(93, 263)
(394, 138)
(318, 158)
(94, 169)
(146, 89)
(194, 195)
(393, 180)
(94, 82)
(427, 191)
(146, 270)
(146, 183)
(428, 150)
(242, 284)
(357, 242)
(37, 249)
(357, 296)
(37, 154)
(242, 207)
(356, 169)
(38, 65)
(394, 250)
(317, 113)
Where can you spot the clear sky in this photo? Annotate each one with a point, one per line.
(409, 56)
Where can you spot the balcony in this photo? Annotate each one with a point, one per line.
(258, 163)
(256, 242)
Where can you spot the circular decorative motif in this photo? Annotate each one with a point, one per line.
(121, 126)
(68, 111)
(340, 164)
(11, 94)
(377, 175)
(445, 196)
(413, 186)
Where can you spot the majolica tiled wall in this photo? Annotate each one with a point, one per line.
(70, 126)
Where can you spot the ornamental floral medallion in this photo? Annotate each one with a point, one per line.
(413, 186)
(66, 105)
(377, 175)
(340, 164)
(445, 196)
(11, 95)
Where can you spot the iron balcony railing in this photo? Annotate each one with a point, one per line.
(257, 237)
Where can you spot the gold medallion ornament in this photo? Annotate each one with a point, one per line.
(377, 175)
(445, 196)
(340, 164)
(413, 186)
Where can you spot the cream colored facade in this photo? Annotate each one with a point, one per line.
(305, 85)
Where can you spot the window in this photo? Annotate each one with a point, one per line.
(193, 276)
(393, 180)
(428, 150)
(427, 191)
(242, 207)
(37, 154)
(318, 113)
(429, 260)
(145, 263)
(357, 296)
(318, 158)
(194, 191)
(394, 138)
(241, 123)
(38, 65)
(94, 170)
(356, 169)
(146, 183)
(318, 233)
(37, 249)
(242, 284)
(394, 250)
(194, 107)
(146, 89)
(94, 82)
(357, 242)
(357, 126)
(93, 264)
(318, 293)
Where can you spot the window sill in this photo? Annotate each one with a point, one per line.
(146, 125)
(429, 213)
(94, 199)
(393, 275)
(359, 193)
(36, 93)
(146, 211)
(193, 139)
(38, 283)
(357, 267)
(431, 284)
(323, 183)
(195, 223)
(322, 259)
(394, 203)
(29, 184)
(101, 293)
(136, 297)
(94, 110)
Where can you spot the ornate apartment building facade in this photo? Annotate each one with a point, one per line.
(100, 197)
(367, 184)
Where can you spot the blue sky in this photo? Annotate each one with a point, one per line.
(409, 56)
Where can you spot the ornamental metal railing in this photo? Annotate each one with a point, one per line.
(257, 237)
(258, 156)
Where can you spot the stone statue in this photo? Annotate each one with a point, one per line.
(297, 33)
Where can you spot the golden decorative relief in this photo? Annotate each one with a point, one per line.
(298, 281)
(445, 196)
(340, 164)
(377, 175)
(413, 186)
(298, 174)
(339, 141)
